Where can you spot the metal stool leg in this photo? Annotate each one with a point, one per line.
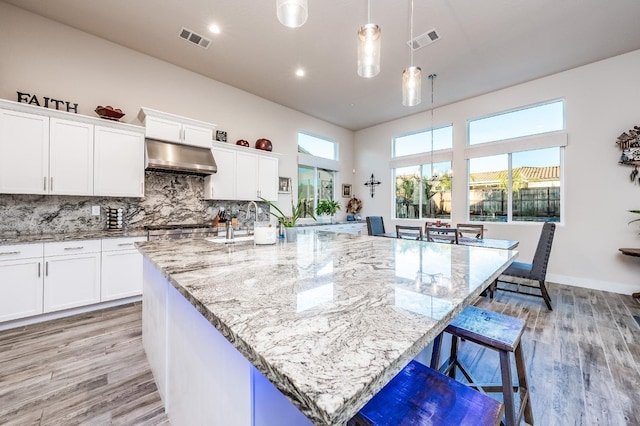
(435, 354)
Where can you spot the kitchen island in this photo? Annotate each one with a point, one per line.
(328, 320)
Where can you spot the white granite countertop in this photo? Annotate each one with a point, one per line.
(332, 318)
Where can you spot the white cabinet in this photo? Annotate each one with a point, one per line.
(268, 177)
(356, 228)
(70, 157)
(121, 268)
(222, 185)
(71, 274)
(247, 176)
(174, 128)
(24, 153)
(243, 174)
(46, 151)
(20, 281)
(118, 162)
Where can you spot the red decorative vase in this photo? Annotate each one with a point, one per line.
(264, 144)
(242, 142)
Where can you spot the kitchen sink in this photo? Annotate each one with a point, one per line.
(223, 240)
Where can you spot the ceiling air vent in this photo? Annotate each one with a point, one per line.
(194, 38)
(424, 39)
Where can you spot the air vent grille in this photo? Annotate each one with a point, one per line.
(424, 39)
(194, 38)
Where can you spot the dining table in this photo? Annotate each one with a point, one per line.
(469, 241)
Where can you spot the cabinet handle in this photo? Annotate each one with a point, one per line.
(142, 188)
(74, 248)
(39, 269)
(51, 184)
(124, 244)
(46, 268)
(44, 182)
(7, 253)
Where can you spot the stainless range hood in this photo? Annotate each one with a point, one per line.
(173, 157)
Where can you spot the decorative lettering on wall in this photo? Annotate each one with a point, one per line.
(46, 102)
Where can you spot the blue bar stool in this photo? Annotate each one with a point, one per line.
(419, 395)
(495, 331)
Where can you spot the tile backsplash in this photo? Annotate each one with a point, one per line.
(169, 199)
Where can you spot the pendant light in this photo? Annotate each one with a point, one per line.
(434, 171)
(292, 13)
(369, 47)
(411, 77)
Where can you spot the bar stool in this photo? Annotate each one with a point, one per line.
(495, 331)
(419, 395)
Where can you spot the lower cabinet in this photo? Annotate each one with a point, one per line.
(39, 278)
(20, 281)
(121, 268)
(71, 274)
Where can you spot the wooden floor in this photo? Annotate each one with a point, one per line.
(583, 361)
(88, 369)
(583, 358)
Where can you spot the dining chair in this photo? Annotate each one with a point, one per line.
(375, 225)
(470, 230)
(531, 275)
(440, 234)
(409, 232)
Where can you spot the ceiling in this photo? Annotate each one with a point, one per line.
(485, 45)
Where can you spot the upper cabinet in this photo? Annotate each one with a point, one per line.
(45, 151)
(24, 153)
(119, 155)
(243, 174)
(174, 128)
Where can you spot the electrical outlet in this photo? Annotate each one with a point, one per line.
(95, 210)
(260, 210)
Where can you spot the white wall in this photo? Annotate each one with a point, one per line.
(42, 57)
(601, 102)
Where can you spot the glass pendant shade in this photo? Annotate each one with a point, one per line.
(411, 86)
(292, 13)
(369, 51)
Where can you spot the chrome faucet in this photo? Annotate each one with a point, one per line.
(255, 207)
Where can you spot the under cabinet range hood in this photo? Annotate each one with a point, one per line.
(173, 157)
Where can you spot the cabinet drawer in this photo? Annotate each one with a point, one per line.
(21, 251)
(114, 244)
(72, 247)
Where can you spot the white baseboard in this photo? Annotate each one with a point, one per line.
(622, 288)
(67, 312)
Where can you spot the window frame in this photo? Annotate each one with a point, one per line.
(537, 141)
(317, 163)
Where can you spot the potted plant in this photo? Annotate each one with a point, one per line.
(327, 208)
(289, 222)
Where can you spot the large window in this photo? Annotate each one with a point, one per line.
(420, 142)
(423, 191)
(517, 179)
(528, 121)
(422, 173)
(316, 171)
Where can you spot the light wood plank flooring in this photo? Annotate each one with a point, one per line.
(583, 358)
(583, 362)
(87, 369)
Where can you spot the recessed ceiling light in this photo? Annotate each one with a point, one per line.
(214, 29)
(300, 72)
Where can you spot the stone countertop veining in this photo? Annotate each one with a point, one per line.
(22, 238)
(329, 320)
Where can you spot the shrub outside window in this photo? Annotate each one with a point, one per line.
(423, 191)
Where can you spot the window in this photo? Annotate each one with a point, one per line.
(314, 184)
(517, 179)
(317, 146)
(316, 171)
(423, 191)
(423, 180)
(420, 142)
(528, 121)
